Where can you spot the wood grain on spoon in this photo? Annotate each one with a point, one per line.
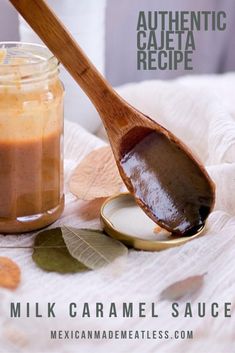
(171, 186)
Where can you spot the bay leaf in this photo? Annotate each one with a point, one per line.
(182, 288)
(92, 247)
(96, 176)
(51, 253)
(9, 273)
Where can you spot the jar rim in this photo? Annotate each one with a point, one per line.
(25, 62)
(19, 44)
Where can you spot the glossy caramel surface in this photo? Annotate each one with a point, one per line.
(168, 184)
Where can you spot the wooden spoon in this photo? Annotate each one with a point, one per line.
(171, 186)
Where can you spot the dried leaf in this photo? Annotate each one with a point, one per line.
(92, 247)
(185, 287)
(9, 273)
(51, 254)
(96, 176)
(90, 210)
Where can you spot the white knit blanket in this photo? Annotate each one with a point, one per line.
(201, 111)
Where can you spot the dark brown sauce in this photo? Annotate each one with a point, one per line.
(168, 184)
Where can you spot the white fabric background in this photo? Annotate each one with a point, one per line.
(201, 111)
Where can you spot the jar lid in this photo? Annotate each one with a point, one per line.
(125, 221)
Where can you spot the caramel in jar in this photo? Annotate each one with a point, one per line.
(31, 138)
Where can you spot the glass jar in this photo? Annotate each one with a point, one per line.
(31, 138)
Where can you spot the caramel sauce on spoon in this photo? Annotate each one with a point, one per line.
(168, 184)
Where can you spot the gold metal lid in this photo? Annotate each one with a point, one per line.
(124, 220)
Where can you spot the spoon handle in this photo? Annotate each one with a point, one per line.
(57, 38)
